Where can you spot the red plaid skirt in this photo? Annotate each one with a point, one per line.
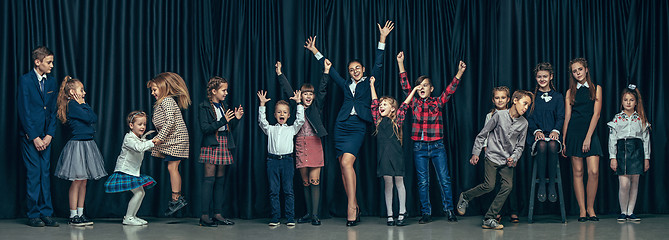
(219, 155)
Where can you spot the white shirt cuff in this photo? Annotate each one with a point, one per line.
(318, 56)
(555, 130)
(382, 46)
(535, 131)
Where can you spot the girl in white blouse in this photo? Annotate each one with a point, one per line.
(629, 149)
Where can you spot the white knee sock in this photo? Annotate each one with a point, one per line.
(135, 201)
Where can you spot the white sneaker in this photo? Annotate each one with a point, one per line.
(132, 221)
(144, 222)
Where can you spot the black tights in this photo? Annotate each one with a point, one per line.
(546, 151)
(213, 186)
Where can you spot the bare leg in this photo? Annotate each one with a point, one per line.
(175, 179)
(593, 181)
(579, 192)
(348, 172)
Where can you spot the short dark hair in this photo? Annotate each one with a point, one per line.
(307, 87)
(39, 53)
(420, 79)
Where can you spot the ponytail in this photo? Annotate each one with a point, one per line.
(64, 96)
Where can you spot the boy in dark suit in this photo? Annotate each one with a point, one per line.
(37, 115)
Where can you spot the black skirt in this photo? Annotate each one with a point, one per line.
(629, 156)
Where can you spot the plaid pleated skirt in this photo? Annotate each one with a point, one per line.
(217, 155)
(121, 182)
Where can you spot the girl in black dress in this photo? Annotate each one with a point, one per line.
(388, 119)
(583, 103)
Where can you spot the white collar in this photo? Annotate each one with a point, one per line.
(579, 85)
(39, 77)
(361, 80)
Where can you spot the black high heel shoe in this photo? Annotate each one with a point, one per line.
(354, 222)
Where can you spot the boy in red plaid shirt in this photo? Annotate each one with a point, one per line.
(427, 133)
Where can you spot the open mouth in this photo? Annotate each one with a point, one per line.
(382, 111)
(282, 119)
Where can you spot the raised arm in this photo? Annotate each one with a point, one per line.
(262, 116)
(299, 115)
(375, 100)
(283, 81)
(310, 44)
(446, 94)
(323, 86)
(404, 81)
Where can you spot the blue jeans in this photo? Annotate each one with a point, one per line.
(423, 153)
(280, 175)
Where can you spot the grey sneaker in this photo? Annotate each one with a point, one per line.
(462, 204)
(491, 223)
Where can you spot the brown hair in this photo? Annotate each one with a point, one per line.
(307, 87)
(282, 102)
(214, 83)
(500, 89)
(64, 96)
(135, 115)
(572, 81)
(40, 52)
(397, 129)
(518, 94)
(544, 66)
(639, 103)
(171, 85)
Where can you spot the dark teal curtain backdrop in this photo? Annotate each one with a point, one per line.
(115, 47)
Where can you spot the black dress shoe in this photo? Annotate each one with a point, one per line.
(593, 218)
(391, 221)
(552, 195)
(315, 220)
(451, 216)
(351, 223)
(304, 219)
(426, 218)
(49, 222)
(582, 219)
(400, 220)
(225, 221)
(35, 222)
(209, 223)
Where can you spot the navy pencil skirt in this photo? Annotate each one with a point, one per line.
(349, 134)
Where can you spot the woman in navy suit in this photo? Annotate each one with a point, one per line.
(353, 116)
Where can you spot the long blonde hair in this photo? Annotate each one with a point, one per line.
(397, 129)
(64, 96)
(171, 85)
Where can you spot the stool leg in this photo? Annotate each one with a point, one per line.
(559, 182)
(531, 205)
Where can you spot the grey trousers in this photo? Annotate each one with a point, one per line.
(491, 170)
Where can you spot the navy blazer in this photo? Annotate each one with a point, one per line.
(37, 110)
(362, 100)
(80, 120)
(314, 112)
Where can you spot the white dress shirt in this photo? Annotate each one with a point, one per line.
(280, 137)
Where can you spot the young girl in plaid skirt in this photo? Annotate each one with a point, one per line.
(216, 123)
(126, 176)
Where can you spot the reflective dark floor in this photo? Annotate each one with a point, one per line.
(545, 227)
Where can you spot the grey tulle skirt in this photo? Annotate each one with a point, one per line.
(80, 160)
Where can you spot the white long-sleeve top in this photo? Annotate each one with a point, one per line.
(280, 137)
(628, 127)
(132, 154)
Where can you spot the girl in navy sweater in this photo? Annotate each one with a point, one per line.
(80, 159)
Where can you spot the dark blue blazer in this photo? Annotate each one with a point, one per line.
(362, 100)
(37, 110)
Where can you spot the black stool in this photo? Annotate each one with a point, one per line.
(558, 180)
